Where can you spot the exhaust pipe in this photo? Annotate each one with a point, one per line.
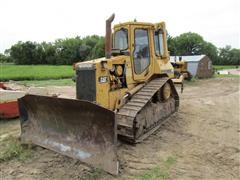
(108, 39)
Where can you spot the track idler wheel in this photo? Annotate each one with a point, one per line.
(165, 92)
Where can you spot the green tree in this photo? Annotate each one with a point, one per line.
(83, 52)
(98, 50)
(67, 50)
(192, 44)
(171, 45)
(211, 51)
(94, 47)
(49, 55)
(229, 56)
(235, 56)
(5, 58)
(27, 53)
(62, 51)
(189, 44)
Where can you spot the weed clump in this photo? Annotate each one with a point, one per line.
(93, 175)
(13, 149)
(159, 172)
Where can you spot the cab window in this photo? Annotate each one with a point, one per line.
(141, 55)
(121, 39)
(158, 42)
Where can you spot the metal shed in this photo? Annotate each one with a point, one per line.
(198, 65)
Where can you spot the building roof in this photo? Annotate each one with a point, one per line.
(194, 58)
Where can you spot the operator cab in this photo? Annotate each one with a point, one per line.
(145, 43)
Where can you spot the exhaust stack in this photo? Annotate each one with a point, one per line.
(108, 39)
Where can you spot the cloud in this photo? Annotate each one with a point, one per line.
(43, 20)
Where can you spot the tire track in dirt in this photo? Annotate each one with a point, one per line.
(203, 136)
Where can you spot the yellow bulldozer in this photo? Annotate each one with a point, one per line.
(126, 95)
(180, 69)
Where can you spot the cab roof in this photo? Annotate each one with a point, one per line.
(133, 23)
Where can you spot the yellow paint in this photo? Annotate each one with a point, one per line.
(159, 65)
(180, 66)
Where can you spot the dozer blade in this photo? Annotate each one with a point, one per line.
(78, 129)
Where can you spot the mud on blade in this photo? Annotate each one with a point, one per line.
(79, 129)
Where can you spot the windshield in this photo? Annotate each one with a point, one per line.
(121, 39)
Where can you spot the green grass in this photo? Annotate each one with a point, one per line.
(92, 176)
(13, 149)
(52, 82)
(222, 67)
(226, 76)
(159, 172)
(34, 72)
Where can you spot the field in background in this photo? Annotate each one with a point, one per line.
(221, 67)
(50, 82)
(38, 75)
(34, 72)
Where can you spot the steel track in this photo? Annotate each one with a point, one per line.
(140, 117)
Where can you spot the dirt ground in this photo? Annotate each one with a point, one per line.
(203, 138)
(234, 71)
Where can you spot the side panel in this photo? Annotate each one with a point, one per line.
(102, 93)
(116, 95)
(192, 68)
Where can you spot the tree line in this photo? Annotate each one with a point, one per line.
(60, 52)
(194, 44)
(70, 50)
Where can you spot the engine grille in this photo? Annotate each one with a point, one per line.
(86, 84)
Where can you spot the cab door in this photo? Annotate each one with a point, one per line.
(141, 53)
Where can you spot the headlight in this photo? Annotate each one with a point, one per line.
(85, 66)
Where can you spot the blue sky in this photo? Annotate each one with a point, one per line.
(47, 20)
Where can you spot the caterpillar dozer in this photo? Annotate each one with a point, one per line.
(180, 68)
(126, 95)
